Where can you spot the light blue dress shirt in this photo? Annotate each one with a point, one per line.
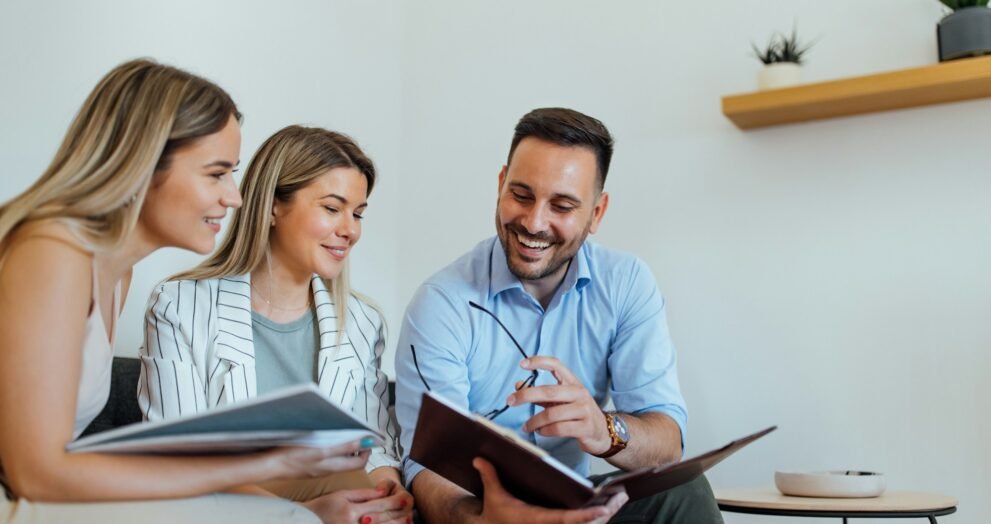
(606, 323)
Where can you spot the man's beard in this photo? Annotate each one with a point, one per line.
(563, 252)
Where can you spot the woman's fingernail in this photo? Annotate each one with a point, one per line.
(366, 520)
(402, 504)
(510, 400)
(367, 442)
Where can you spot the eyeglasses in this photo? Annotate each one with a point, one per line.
(528, 382)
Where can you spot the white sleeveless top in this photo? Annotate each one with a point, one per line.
(94, 378)
(98, 356)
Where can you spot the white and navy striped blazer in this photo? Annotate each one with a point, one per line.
(198, 354)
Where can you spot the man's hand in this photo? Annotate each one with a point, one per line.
(499, 506)
(569, 409)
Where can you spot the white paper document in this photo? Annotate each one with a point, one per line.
(295, 416)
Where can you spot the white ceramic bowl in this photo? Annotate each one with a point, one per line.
(834, 484)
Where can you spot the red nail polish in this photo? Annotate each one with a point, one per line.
(402, 504)
(366, 520)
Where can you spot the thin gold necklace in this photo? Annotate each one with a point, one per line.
(276, 306)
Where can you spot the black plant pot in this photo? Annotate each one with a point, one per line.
(964, 33)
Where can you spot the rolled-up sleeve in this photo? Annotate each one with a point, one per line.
(642, 360)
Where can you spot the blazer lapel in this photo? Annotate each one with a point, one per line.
(338, 366)
(234, 340)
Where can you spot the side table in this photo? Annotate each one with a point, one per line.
(892, 504)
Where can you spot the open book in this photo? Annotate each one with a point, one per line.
(448, 438)
(294, 416)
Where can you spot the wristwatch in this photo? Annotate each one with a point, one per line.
(618, 432)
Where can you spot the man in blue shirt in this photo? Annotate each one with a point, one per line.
(590, 324)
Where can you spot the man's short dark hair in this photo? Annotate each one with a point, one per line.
(567, 127)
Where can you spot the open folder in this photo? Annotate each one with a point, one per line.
(448, 438)
(294, 416)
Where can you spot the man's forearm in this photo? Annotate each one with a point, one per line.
(655, 439)
(440, 501)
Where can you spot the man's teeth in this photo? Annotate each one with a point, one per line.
(533, 244)
(212, 220)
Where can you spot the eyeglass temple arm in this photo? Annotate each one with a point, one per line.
(504, 328)
(417, 366)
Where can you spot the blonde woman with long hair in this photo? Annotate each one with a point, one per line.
(273, 307)
(147, 163)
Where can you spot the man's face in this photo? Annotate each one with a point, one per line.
(548, 203)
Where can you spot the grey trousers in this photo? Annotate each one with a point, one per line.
(691, 503)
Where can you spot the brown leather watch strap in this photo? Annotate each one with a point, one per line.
(618, 444)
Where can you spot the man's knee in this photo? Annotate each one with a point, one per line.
(692, 502)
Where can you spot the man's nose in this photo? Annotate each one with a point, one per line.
(535, 220)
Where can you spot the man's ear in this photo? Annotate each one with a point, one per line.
(599, 211)
(502, 178)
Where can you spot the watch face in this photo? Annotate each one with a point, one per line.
(621, 429)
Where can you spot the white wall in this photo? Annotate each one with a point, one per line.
(330, 64)
(827, 277)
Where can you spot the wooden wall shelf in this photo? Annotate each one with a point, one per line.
(953, 81)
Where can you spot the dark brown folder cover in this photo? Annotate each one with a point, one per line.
(447, 439)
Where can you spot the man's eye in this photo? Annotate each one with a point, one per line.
(521, 198)
(564, 209)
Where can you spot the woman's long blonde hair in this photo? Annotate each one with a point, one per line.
(138, 115)
(287, 162)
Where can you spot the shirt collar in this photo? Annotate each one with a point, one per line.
(502, 279)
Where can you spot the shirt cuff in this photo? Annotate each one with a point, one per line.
(411, 469)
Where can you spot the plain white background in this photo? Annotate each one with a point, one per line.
(829, 277)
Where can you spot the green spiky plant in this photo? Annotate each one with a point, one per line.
(783, 48)
(957, 5)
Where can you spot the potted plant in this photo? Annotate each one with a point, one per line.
(966, 31)
(782, 58)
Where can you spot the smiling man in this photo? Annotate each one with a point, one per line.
(589, 320)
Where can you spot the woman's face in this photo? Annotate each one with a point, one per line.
(313, 232)
(187, 201)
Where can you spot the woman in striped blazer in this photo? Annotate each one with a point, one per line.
(272, 307)
(147, 163)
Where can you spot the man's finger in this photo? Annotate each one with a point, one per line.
(616, 502)
(585, 515)
(555, 366)
(490, 479)
(570, 429)
(552, 394)
(554, 415)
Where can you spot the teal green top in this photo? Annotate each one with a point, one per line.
(285, 354)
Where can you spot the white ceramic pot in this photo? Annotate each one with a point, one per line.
(780, 74)
(838, 484)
